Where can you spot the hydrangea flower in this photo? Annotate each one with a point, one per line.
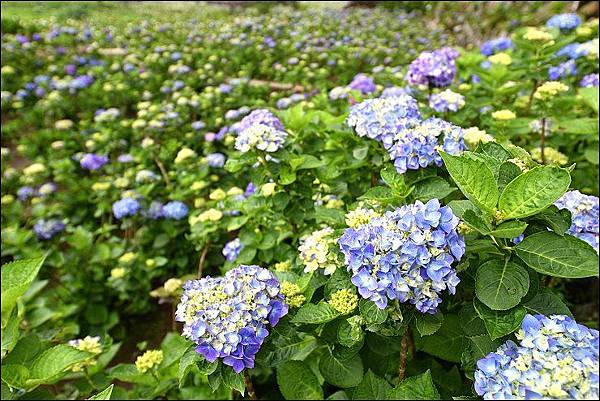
(215, 159)
(563, 70)
(148, 360)
(572, 51)
(584, 214)
(417, 147)
(91, 161)
(496, 45)
(260, 116)
(317, 251)
(155, 210)
(556, 358)
(25, 193)
(434, 69)
(125, 207)
(394, 91)
(227, 317)
(405, 255)
(363, 83)
(446, 101)
(175, 210)
(232, 249)
(382, 118)
(589, 81)
(564, 22)
(46, 229)
(261, 137)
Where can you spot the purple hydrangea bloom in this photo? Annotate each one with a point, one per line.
(175, 210)
(564, 22)
(91, 161)
(382, 118)
(572, 51)
(556, 358)
(155, 210)
(446, 101)
(496, 45)
(227, 317)
(584, 215)
(363, 83)
(250, 189)
(125, 207)
(395, 91)
(260, 116)
(283, 103)
(563, 70)
(225, 88)
(232, 249)
(70, 69)
(589, 81)
(25, 193)
(405, 255)
(215, 159)
(81, 82)
(417, 146)
(434, 69)
(46, 229)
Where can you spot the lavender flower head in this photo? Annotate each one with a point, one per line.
(584, 214)
(232, 249)
(434, 69)
(395, 91)
(260, 116)
(564, 22)
(417, 147)
(563, 70)
(198, 125)
(125, 207)
(496, 45)
(363, 83)
(175, 210)
(590, 80)
(215, 159)
(46, 229)
(382, 118)
(405, 255)
(227, 317)
(260, 130)
(25, 193)
(155, 210)
(91, 161)
(446, 101)
(556, 358)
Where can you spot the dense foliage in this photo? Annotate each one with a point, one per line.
(304, 204)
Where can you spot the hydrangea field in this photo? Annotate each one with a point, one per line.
(300, 201)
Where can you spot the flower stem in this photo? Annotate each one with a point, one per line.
(403, 355)
(203, 259)
(543, 140)
(249, 385)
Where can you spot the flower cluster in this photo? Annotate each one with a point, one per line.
(382, 118)
(434, 69)
(227, 316)
(87, 344)
(589, 80)
(417, 147)
(556, 358)
(405, 255)
(551, 155)
(46, 229)
(125, 207)
(549, 89)
(232, 249)
(317, 250)
(292, 294)
(260, 130)
(148, 360)
(360, 216)
(563, 70)
(363, 83)
(344, 301)
(564, 22)
(175, 210)
(500, 58)
(495, 45)
(91, 161)
(474, 135)
(584, 214)
(446, 101)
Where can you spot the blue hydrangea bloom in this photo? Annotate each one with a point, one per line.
(434, 69)
(556, 358)
(496, 45)
(227, 317)
(260, 116)
(250, 189)
(563, 70)
(46, 229)
(25, 193)
(260, 130)
(382, 118)
(155, 210)
(417, 147)
(589, 81)
(394, 91)
(572, 51)
(363, 83)
(125, 207)
(584, 215)
(564, 22)
(198, 125)
(232, 249)
(405, 255)
(446, 101)
(175, 210)
(91, 161)
(215, 159)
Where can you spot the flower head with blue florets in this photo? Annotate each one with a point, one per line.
(564, 22)
(434, 69)
(125, 207)
(496, 45)
(405, 255)
(584, 214)
(175, 210)
(227, 317)
(556, 358)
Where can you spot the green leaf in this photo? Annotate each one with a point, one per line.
(315, 314)
(379, 194)
(509, 229)
(234, 381)
(187, 363)
(533, 191)
(360, 153)
(500, 323)
(580, 126)
(128, 373)
(328, 215)
(501, 284)
(15, 376)
(558, 256)
(483, 345)
(419, 387)
(448, 341)
(427, 324)
(104, 394)
(10, 334)
(371, 313)
(459, 207)
(545, 302)
(16, 278)
(348, 334)
(475, 180)
(507, 172)
(286, 176)
(305, 162)
(475, 221)
(590, 97)
(53, 362)
(372, 387)
(432, 188)
(342, 373)
(391, 177)
(297, 382)
(493, 150)
(80, 239)
(470, 321)
(559, 220)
